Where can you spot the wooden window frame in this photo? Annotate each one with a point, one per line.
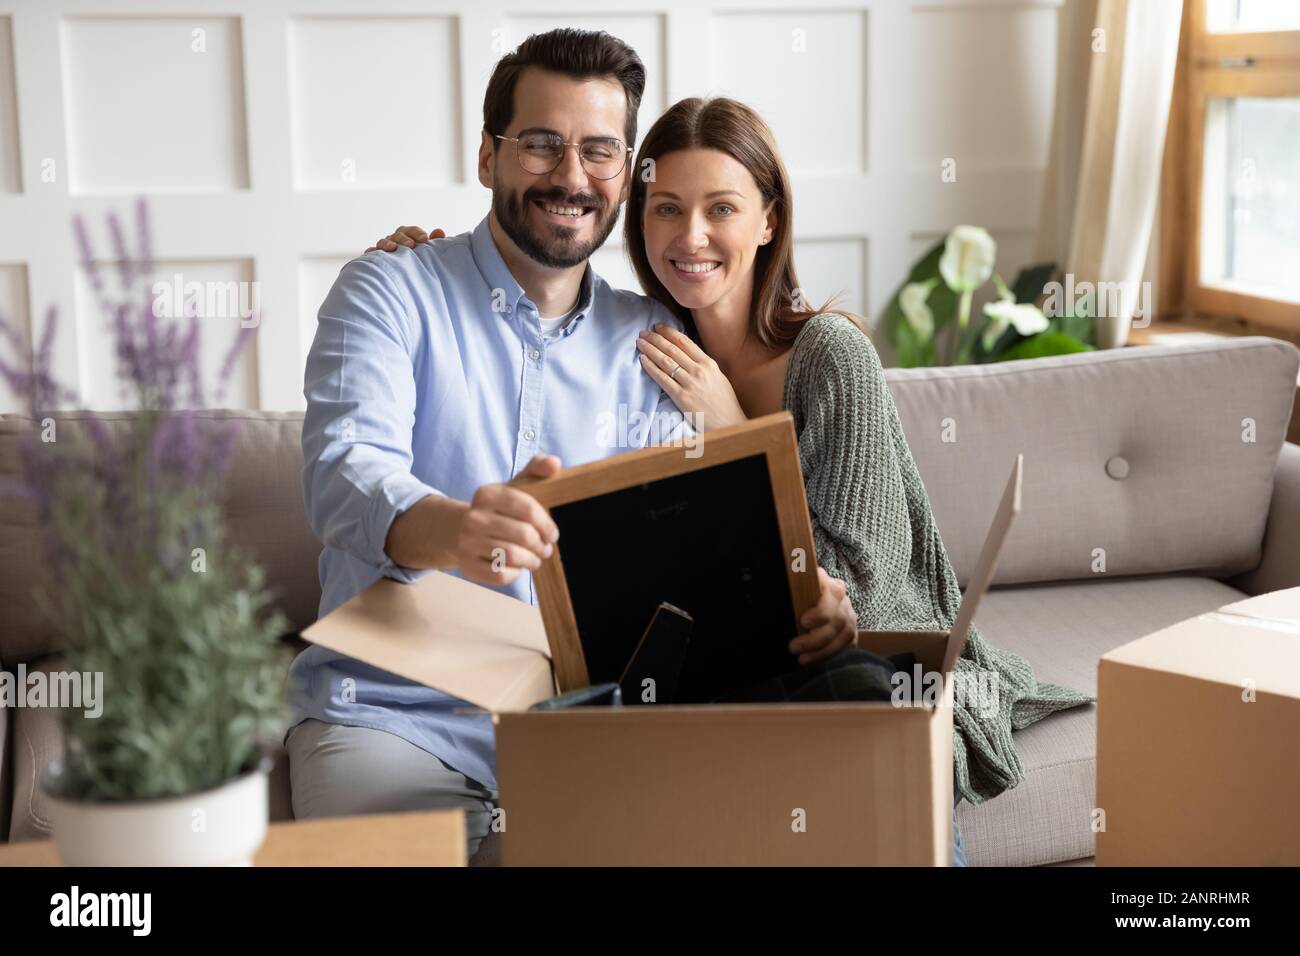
(1214, 65)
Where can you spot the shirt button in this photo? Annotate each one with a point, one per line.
(530, 434)
(535, 354)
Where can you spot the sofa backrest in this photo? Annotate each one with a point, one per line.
(264, 510)
(1142, 460)
(1194, 496)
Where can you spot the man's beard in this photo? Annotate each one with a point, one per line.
(557, 247)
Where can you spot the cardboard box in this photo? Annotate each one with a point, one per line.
(420, 838)
(1198, 740)
(833, 783)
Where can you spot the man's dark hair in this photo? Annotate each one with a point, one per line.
(581, 54)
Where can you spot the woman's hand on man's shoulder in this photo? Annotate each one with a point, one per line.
(408, 236)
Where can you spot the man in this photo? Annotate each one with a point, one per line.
(438, 373)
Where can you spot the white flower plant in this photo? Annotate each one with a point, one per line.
(931, 312)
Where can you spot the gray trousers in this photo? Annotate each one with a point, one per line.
(338, 771)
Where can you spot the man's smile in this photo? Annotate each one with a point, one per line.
(561, 213)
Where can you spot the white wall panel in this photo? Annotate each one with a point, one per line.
(154, 104)
(613, 265)
(804, 73)
(242, 148)
(375, 102)
(833, 268)
(10, 173)
(315, 276)
(983, 80)
(15, 310)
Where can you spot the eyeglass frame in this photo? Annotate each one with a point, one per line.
(627, 154)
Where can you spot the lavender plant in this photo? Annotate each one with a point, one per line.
(141, 583)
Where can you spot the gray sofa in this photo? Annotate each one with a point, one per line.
(1157, 486)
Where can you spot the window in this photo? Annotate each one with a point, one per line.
(1230, 221)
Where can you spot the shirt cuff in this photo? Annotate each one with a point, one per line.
(397, 493)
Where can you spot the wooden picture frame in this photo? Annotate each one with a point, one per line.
(772, 436)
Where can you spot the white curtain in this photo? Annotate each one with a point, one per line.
(1116, 62)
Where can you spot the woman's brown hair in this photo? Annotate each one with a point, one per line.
(778, 305)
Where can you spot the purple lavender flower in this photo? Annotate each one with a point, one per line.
(135, 469)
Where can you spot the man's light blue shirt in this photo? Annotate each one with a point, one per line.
(429, 375)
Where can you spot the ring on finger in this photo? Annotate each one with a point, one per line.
(675, 371)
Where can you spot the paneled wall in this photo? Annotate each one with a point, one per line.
(276, 139)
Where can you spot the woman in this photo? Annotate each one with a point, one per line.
(710, 236)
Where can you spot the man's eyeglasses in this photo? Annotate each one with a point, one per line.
(540, 153)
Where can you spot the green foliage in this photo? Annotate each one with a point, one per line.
(1067, 333)
(1042, 345)
(1029, 283)
(1077, 320)
(193, 670)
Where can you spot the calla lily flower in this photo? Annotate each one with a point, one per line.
(1027, 318)
(967, 260)
(918, 314)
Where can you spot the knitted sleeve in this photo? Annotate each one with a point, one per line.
(845, 418)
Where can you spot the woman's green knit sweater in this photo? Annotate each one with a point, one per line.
(874, 530)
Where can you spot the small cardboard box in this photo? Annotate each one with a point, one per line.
(864, 783)
(1198, 740)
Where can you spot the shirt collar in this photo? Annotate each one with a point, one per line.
(498, 275)
(586, 293)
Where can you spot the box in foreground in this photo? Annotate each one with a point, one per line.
(865, 783)
(1198, 740)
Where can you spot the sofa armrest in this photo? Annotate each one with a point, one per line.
(1279, 566)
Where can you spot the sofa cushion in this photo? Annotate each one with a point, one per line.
(1190, 495)
(264, 509)
(1280, 568)
(1062, 630)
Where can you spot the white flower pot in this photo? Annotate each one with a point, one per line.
(219, 827)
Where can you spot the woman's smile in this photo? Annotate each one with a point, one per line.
(695, 270)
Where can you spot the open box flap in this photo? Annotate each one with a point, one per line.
(1008, 508)
(447, 633)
